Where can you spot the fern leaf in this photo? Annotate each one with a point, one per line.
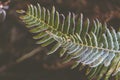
(97, 48)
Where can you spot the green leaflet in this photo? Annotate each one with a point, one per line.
(96, 48)
(79, 25)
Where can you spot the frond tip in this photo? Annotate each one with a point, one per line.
(92, 46)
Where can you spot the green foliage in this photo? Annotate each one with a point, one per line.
(94, 48)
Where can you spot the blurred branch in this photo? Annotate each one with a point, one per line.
(24, 57)
(30, 54)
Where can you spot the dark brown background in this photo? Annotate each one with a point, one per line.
(16, 41)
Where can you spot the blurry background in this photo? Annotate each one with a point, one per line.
(16, 41)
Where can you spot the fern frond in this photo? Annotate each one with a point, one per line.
(96, 47)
